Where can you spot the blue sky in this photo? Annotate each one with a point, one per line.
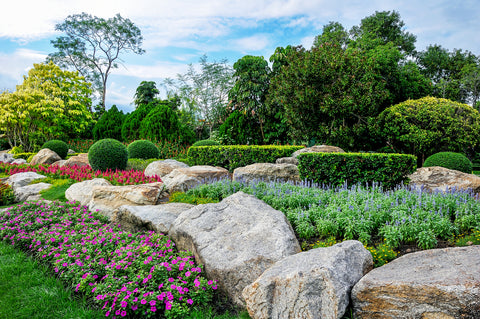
(179, 32)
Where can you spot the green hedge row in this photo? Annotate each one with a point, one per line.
(233, 156)
(338, 168)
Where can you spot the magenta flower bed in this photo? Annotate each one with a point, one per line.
(80, 174)
(125, 274)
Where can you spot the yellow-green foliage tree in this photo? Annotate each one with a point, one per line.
(50, 103)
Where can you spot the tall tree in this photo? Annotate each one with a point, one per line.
(471, 81)
(333, 33)
(93, 46)
(50, 103)
(251, 86)
(145, 93)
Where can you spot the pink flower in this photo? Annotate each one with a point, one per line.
(168, 306)
(189, 301)
(143, 301)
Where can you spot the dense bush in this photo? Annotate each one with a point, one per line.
(240, 129)
(233, 156)
(6, 194)
(108, 154)
(131, 125)
(142, 149)
(25, 156)
(356, 168)
(429, 125)
(450, 160)
(206, 143)
(4, 145)
(109, 125)
(16, 150)
(59, 147)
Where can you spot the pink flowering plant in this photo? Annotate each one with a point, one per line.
(79, 174)
(124, 273)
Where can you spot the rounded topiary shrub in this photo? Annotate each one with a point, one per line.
(108, 154)
(142, 149)
(450, 160)
(59, 147)
(206, 143)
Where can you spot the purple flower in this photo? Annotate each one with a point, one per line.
(143, 301)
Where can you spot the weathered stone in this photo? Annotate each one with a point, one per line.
(25, 192)
(444, 282)
(19, 161)
(22, 179)
(59, 163)
(287, 160)
(311, 284)
(70, 151)
(79, 160)
(318, 149)
(158, 218)
(6, 158)
(267, 172)
(82, 192)
(438, 178)
(183, 179)
(236, 240)
(162, 168)
(45, 156)
(107, 199)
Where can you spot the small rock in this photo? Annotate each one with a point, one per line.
(287, 160)
(19, 161)
(22, 179)
(162, 168)
(6, 158)
(23, 193)
(80, 160)
(438, 178)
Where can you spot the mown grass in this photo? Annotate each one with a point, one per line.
(27, 290)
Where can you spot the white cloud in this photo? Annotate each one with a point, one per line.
(157, 71)
(17, 64)
(254, 43)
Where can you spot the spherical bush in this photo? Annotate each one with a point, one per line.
(59, 147)
(206, 143)
(142, 149)
(108, 154)
(450, 160)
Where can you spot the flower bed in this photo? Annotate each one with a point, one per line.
(125, 274)
(79, 174)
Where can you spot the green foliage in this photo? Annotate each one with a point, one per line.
(4, 145)
(25, 156)
(429, 125)
(139, 164)
(59, 147)
(206, 143)
(93, 46)
(469, 239)
(16, 150)
(108, 154)
(57, 190)
(29, 159)
(356, 168)
(109, 125)
(6, 195)
(450, 160)
(233, 156)
(131, 125)
(179, 197)
(238, 130)
(145, 93)
(382, 254)
(142, 149)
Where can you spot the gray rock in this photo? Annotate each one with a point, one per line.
(6, 158)
(436, 283)
(107, 199)
(158, 218)
(162, 168)
(236, 240)
(25, 192)
(82, 192)
(80, 160)
(70, 151)
(438, 178)
(267, 172)
(19, 161)
(287, 160)
(311, 284)
(183, 179)
(45, 156)
(318, 149)
(22, 179)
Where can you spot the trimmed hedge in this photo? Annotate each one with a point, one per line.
(353, 168)
(450, 160)
(59, 147)
(206, 143)
(108, 154)
(233, 156)
(142, 149)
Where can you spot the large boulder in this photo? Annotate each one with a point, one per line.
(82, 192)
(287, 160)
(236, 240)
(162, 168)
(436, 283)
(267, 172)
(311, 284)
(79, 160)
(45, 156)
(318, 149)
(158, 218)
(438, 178)
(107, 199)
(6, 158)
(22, 179)
(183, 179)
(30, 192)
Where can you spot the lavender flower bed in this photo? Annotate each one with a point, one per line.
(126, 274)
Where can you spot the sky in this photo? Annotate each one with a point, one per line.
(178, 32)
